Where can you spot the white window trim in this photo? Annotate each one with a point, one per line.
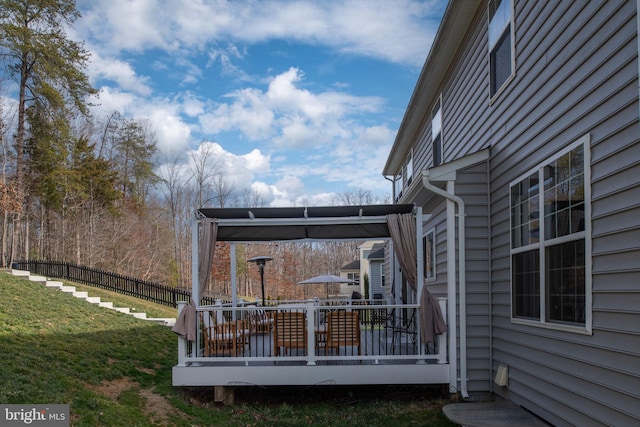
(587, 328)
(511, 21)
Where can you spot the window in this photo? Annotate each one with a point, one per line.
(355, 277)
(550, 241)
(408, 174)
(501, 44)
(436, 132)
(429, 251)
(397, 186)
(382, 276)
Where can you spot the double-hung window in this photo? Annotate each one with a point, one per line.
(436, 132)
(408, 170)
(501, 46)
(551, 242)
(397, 186)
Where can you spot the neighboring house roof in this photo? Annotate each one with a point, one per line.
(353, 265)
(377, 251)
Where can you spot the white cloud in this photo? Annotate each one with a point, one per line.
(172, 133)
(111, 99)
(118, 72)
(288, 115)
(392, 31)
(239, 170)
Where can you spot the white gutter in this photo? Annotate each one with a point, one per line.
(462, 287)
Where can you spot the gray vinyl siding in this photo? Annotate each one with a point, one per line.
(472, 187)
(576, 74)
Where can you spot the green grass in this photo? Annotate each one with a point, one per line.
(115, 370)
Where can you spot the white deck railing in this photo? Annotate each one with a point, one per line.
(388, 334)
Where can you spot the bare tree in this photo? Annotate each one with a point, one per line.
(172, 186)
(354, 196)
(204, 168)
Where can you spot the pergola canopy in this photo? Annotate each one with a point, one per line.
(298, 223)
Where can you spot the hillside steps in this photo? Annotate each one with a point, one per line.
(58, 285)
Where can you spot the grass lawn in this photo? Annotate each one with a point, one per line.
(115, 370)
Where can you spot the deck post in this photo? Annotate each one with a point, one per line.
(182, 342)
(311, 333)
(442, 338)
(223, 394)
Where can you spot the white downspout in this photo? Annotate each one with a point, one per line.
(194, 260)
(462, 287)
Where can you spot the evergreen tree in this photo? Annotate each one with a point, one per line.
(49, 71)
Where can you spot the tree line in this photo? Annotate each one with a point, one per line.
(92, 190)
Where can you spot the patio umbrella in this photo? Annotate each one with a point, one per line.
(326, 279)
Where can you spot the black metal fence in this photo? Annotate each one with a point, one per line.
(131, 286)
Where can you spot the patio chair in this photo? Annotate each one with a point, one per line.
(289, 331)
(225, 338)
(343, 330)
(261, 321)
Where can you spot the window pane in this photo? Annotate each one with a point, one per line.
(564, 195)
(437, 151)
(500, 59)
(525, 212)
(566, 282)
(499, 15)
(436, 123)
(526, 285)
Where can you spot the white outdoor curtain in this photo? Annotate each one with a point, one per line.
(402, 228)
(186, 321)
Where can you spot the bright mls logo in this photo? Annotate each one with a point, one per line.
(36, 415)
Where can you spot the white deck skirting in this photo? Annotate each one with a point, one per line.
(270, 375)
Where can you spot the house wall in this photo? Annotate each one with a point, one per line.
(576, 75)
(471, 185)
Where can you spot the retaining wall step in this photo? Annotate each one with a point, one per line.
(139, 315)
(125, 310)
(106, 304)
(81, 294)
(38, 279)
(167, 321)
(68, 289)
(23, 273)
(53, 284)
(93, 300)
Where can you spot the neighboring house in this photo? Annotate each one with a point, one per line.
(522, 141)
(350, 271)
(377, 284)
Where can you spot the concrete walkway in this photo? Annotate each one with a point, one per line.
(167, 321)
(491, 414)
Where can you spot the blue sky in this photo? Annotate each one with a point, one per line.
(296, 100)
